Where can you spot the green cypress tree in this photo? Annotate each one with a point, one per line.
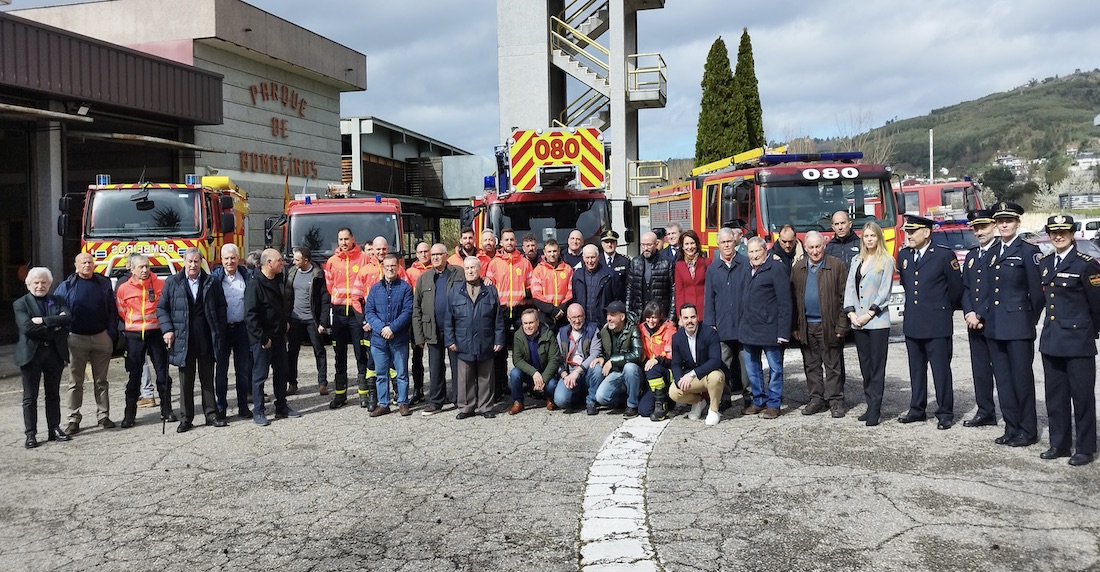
(721, 127)
(748, 89)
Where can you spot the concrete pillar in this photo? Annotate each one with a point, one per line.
(48, 186)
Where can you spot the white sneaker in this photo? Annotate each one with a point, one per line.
(697, 410)
(713, 417)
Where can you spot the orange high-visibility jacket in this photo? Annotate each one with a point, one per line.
(458, 259)
(553, 285)
(137, 303)
(511, 275)
(344, 275)
(414, 272)
(659, 343)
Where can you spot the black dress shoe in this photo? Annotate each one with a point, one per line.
(244, 413)
(127, 422)
(980, 422)
(1023, 442)
(56, 434)
(910, 418)
(944, 425)
(32, 441)
(1054, 453)
(1079, 459)
(216, 421)
(170, 417)
(464, 415)
(184, 426)
(1004, 439)
(489, 415)
(862, 417)
(872, 421)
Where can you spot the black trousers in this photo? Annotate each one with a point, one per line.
(235, 342)
(935, 352)
(1071, 382)
(439, 391)
(46, 366)
(981, 364)
(301, 331)
(500, 359)
(347, 328)
(417, 370)
(871, 348)
(1015, 386)
(731, 357)
(203, 365)
(139, 345)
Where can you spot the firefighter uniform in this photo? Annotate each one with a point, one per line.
(977, 288)
(345, 275)
(1016, 302)
(552, 291)
(137, 306)
(1071, 290)
(933, 285)
(510, 274)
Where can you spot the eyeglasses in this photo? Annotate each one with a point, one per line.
(439, 254)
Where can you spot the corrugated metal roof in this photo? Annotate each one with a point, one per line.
(61, 64)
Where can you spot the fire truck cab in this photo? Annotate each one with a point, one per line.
(548, 182)
(159, 220)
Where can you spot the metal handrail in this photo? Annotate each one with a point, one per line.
(647, 78)
(583, 11)
(583, 106)
(560, 41)
(646, 171)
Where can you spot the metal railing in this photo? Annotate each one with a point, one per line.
(645, 174)
(563, 37)
(579, 10)
(584, 106)
(647, 72)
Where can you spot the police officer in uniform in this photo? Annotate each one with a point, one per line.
(1071, 286)
(618, 265)
(933, 284)
(1016, 303)
(977, 288)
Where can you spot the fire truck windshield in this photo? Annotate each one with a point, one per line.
(115, 213)
(809, 205)
(317, 231)
(552, 220)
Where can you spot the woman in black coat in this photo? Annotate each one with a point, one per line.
(42, 352)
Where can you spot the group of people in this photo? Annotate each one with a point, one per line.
(588, 328)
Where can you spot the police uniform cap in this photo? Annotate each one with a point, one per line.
(609, 235)
(1060, 222)
(914, 222)
(1007, 210)
(979, 216)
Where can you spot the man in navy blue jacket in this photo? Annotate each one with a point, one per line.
(933, 285)
(696, 366)
(474, 330)
(764, 326)
(388, 309)
(722, 294)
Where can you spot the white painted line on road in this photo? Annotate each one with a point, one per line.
(614, 528)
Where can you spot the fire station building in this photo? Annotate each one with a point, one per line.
(154, 90)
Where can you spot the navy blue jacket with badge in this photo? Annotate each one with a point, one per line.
(977, 280)
(1017, 292)
(933, 287)
(1072, 299)
(766, 304)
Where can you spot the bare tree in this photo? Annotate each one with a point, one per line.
(856, 134)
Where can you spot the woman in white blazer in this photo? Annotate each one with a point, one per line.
(866, 301)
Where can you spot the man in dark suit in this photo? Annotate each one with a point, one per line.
(191, 314)
(1017, 301)
(977, 282)
(1071, 281)
(672, 239)
(933, 284)
(618, 264)
(41, 352)
(696, 366)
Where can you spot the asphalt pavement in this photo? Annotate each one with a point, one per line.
(336, 490)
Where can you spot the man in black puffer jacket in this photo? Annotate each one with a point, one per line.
(650, 279)
(265, 317)
(191, 314)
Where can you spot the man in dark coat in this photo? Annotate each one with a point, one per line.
(933, 286)
(429, 315)
(722, 292)
(1016, 304)
(474, 329)
(191, 314)
(594, 285)
(977, 281)
(820, 324)
(764, 326)
(845, 242)
(650, 279)
(265, 317)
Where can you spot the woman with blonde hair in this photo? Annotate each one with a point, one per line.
(866, 298)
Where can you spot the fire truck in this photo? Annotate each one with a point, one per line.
(548, 183)
(159, 220)
(939, 200)
(764, 189)
(314, 222)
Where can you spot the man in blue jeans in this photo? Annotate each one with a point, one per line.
(617, 371)
(265, 316)
(536, 357)
(388, 310)
(765, 326)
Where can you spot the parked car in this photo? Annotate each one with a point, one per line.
(957, 237)
(1089, 228)
(1083, 245)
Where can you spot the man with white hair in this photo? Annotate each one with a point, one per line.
(820, 323)
(233, 278)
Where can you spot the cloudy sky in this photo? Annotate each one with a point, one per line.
(824, 67)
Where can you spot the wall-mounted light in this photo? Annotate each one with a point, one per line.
(83, 109)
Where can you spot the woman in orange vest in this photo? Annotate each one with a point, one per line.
(137, 306)
(656, 334)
